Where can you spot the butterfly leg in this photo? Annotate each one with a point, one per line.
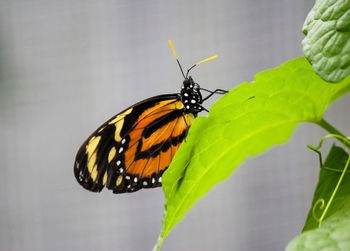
(217, 91)
(201, 108)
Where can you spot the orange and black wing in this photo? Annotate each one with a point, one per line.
(133, 149)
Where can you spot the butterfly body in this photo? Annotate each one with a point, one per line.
(132, 149)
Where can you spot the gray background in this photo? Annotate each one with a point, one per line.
(67, 66)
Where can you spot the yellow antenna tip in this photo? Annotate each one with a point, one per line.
(207, 59)
(172, 49)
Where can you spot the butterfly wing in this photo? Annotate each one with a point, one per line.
(133, 149)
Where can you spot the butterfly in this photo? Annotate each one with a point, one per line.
(133, 149)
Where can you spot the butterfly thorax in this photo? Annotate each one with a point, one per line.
(191, 96)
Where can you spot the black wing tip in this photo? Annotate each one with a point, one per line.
(82, 176)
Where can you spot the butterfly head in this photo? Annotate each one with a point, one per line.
(191, 96)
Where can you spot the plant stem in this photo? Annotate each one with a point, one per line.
(335, 191)
(331, 129)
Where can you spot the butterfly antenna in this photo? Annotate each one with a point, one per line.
(201, 62)
(175, 56)
(198, 63)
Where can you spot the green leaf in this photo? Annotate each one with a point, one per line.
(328, 178)
(327, 41)
(334, 232)
(245, 122)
